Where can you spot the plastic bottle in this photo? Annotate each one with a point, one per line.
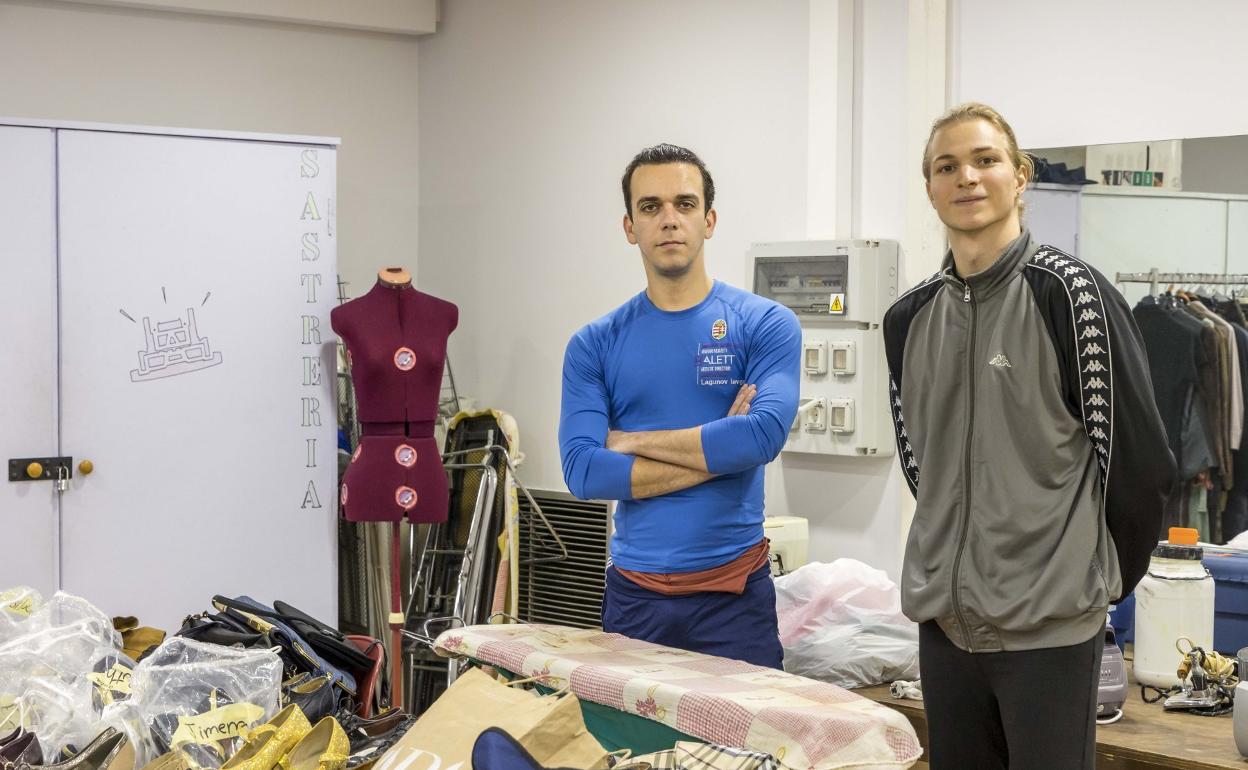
(1174, 600)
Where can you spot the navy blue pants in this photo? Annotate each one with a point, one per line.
(714, 622)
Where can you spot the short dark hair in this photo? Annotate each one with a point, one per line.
(659, 155)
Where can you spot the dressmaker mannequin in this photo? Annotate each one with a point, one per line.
(396, 344)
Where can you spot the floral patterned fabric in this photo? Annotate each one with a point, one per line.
(803, 723)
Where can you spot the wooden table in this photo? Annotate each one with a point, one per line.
(1146, 738)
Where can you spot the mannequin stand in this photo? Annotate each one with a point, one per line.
(396, 618)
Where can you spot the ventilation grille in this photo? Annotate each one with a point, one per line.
(566, 592)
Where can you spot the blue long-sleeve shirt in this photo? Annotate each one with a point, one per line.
(640, 368)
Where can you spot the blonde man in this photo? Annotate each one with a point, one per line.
(1028, 433)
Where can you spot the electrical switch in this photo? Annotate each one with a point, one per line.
(815, 357)
(841, 415)
(816, 416)
(843, 358)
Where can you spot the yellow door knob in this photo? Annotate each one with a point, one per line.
(35, 470)
(85, 467)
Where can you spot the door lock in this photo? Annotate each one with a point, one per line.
(56, 469)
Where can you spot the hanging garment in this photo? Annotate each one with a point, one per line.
(1198, 510)
(1232, 381)
(1235, 512)
(1176, 356)
(1232, 311)
(1211, 390)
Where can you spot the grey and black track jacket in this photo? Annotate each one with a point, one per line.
(1027, 431)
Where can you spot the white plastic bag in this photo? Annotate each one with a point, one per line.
(16, 605)
(44, 683)
(842, 623)
(199, 699)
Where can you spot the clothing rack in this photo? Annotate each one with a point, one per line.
(1154, 278)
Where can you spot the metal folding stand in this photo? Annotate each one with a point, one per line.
(453, 578)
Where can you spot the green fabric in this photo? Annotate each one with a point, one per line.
(613, 728)
(1198, 511)
(617, 729)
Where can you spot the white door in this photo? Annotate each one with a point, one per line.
(28, 422)
(197, 372)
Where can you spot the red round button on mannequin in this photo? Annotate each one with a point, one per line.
(396, 339)
(405, 455)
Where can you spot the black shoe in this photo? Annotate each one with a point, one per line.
(21, 748)
(315, 696)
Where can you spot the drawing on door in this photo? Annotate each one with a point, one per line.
(173, 347)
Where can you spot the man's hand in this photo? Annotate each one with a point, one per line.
(617, 441)
(744, 396)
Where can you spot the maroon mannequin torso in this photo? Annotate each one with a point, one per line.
(396, 344)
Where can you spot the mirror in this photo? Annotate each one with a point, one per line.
(1176, 205)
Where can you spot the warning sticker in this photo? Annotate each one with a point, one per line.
(837, 303)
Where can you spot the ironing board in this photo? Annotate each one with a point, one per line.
(803, 723)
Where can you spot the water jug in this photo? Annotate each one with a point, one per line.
(1174, 600)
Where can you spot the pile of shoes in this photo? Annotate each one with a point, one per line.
(250, 686)
(291, 741)
(371, 738)
(306, 645)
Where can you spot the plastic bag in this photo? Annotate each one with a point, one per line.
(199, 699)
(16, 605)
(68, 650)
(59, 712)
(842, 623)
(110, 674)
(71, 616)
(44, 672)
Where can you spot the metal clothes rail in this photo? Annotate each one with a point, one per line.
(1154, 278)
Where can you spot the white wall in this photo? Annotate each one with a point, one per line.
(1070, 72)
(854, 504)
(529, 114)
(91, 63)
(530, 111)
(404, 16)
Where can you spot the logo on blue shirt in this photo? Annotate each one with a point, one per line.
(719, 364)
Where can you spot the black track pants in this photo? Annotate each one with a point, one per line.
(1028, 710)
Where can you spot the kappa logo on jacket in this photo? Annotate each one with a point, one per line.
(1095, 372)
(999, 360)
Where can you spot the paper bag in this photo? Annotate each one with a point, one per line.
(549, 727)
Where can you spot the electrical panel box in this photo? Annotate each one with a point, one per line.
(839, 291)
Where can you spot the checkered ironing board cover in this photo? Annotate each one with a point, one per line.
(803, 723)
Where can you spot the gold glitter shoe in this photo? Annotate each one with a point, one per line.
(268, 742)
(325, 748)
(171, 761)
